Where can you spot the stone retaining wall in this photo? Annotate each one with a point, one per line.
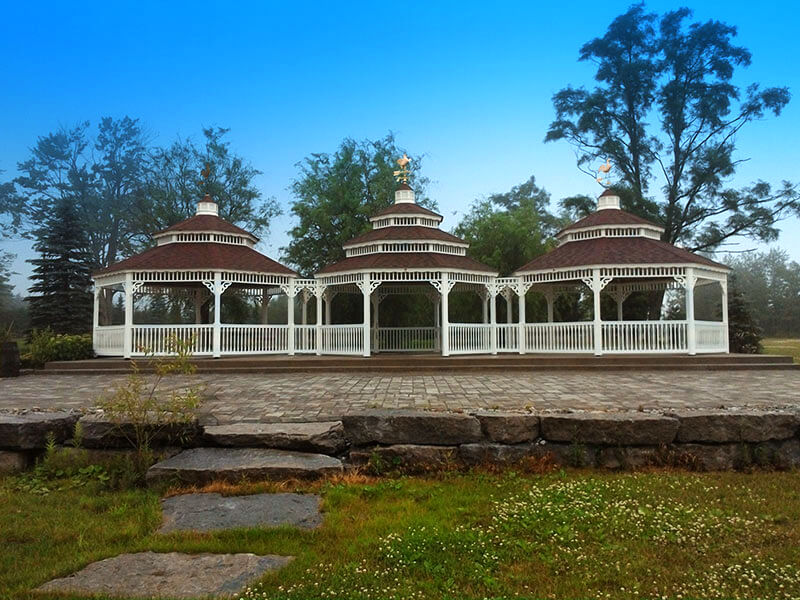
(422, 441)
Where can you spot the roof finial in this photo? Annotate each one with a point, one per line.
(403, 172)
(604, 169)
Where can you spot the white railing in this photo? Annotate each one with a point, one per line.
(470, 338)
(254, 339)
(156, 339)
(644, 336)
(710, 336)
(305, 339)
(507, 337)
(405, 339)
(559, 337)
(109, 340)
(342, 339)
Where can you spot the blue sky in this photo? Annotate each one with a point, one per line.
(467, 84)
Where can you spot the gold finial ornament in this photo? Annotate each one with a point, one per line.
(603, 170)
(403, 172)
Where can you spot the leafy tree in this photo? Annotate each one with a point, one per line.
(174, 185)
(60, 298)
(505, 231)
(337, 193)
(119, 171)
(666, 112)
(771, 284)
(744, 334)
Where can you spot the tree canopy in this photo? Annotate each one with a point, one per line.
(507, 230)
(124, 188)
(771, 284)
(335, 194)
(666, 112)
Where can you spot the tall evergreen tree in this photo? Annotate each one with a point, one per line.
(60, 297)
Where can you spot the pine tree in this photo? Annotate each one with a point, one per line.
(60, 297)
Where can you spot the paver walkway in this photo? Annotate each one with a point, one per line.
(302, 396)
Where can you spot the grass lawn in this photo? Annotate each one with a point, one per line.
(477, 535)
(790, 347)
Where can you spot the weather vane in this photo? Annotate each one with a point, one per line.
(205, 173)
(603, 170)
(403, 172)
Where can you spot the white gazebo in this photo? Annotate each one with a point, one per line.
(617, 253)
(610, 252)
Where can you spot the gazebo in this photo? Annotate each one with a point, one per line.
(406, 253)
(617, 253)
(609, 252)
(198, 259)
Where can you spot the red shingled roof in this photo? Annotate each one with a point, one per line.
(608, 216)
(206, 223)
(200, 256)
(406, 208)
(405, 232)
(408, 260)
(614, 251)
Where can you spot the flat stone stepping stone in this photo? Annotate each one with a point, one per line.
(326, 437)
(171, 575)
(213, 512)
(204, 465)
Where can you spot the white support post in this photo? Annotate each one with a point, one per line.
(327, 303)
(522, 318)
(598, 324)
(492, 319)
(304, 315)
(724, 286)
(509, 310)
(291, 293)
(485, 303)
(318, 295)
(98, 291)
(550, 297)
(691, 332)
(444, 293)
(128, 331)
(620, 301)
(217, 339)
(367, 305)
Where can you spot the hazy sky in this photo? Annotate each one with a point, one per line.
(467, 84)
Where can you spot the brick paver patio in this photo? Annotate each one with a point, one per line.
(301, 396)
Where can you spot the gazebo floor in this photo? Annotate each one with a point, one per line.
(433, 363)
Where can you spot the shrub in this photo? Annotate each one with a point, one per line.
(140, 409)
(47, 346)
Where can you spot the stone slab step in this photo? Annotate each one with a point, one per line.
(31, 431)
(326, 437)
(167, 575)
(204, 465)
(214, 512)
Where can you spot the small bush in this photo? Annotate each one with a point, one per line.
(47, 346)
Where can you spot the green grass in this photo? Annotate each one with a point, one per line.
(784, 346)
(476, 535)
